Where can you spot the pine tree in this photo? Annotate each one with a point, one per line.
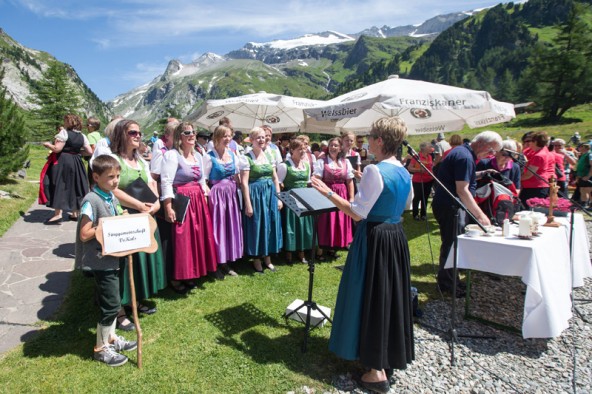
(13, 137)
(563, 69)
(56, 96)
(506, 87)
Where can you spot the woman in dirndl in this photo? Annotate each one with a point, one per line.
(373, 320)
(224, 202)
(184, 171)
(295, 173)
(64, 181)
(149, 268)
(262, 224)
(335, 228)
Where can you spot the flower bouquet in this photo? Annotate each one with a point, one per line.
(561, 207)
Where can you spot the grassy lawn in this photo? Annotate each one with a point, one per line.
(23, 191)
(227, 336)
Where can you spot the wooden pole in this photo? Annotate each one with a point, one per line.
(130, 267)
(552, 203)
(123, 252)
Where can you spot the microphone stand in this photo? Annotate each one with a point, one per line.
(452, 334)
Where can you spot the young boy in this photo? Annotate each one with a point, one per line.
(100, 202)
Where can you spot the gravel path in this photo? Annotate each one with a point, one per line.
(506, 364)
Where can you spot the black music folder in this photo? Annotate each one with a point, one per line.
(306, 201)
(140, 190)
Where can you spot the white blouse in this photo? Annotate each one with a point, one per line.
(169, 167)
(157, 156)
(311, 156)
(234, 156)
(156, 162)
(101, 148)
(369, 189)
(244, 163)
(320, 167)
(352, 152)
(282, 170)
(63, 136)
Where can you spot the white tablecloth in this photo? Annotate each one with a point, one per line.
(543, 263)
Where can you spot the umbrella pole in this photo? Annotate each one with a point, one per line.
(130, 267)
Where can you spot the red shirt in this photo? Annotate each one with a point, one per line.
(545, 163)
(421, 176)
(559, 162)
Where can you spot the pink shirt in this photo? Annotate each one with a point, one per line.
(422, 176)
(545, 163)
(559, 161)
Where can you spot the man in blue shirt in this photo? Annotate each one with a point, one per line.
(458, 174)
(154, 138)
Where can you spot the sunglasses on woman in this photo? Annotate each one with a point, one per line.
(134, 133)
(188, 132)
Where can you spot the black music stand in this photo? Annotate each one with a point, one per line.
(308, 202)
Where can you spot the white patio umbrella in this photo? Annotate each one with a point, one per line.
(282, 113)
(426, 108)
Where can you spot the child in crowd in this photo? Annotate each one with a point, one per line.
(98, 203)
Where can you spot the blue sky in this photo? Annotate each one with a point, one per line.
(116, 46)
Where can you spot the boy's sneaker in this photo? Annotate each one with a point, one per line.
(110, 357)
(121, 343)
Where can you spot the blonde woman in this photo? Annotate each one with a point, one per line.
(348, 140)
(373, 319)
(262, 225)
(223, 202)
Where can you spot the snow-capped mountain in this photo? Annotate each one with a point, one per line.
(326, 38)
(176, 69)
(432, 26)
(150, 101)
(281, 51)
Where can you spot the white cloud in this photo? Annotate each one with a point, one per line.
(188, 57)
(144, 72)
(127, 23)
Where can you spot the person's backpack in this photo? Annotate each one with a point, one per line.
(497, 198)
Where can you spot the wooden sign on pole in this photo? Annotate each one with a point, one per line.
(123, 236)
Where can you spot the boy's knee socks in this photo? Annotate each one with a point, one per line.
(104, 334)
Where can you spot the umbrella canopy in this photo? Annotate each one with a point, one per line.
(426, 108)
(282, 113)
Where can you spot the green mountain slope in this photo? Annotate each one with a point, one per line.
(317, 78)
(23, 67)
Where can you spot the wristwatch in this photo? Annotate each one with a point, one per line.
(329, 194)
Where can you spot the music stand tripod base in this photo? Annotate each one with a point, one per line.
(308, 202)
(318, 317)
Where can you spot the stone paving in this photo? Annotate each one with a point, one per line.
(35, 265)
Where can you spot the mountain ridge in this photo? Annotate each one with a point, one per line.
(311, 65)
(325, 58)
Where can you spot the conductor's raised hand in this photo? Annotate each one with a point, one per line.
(320, 186)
